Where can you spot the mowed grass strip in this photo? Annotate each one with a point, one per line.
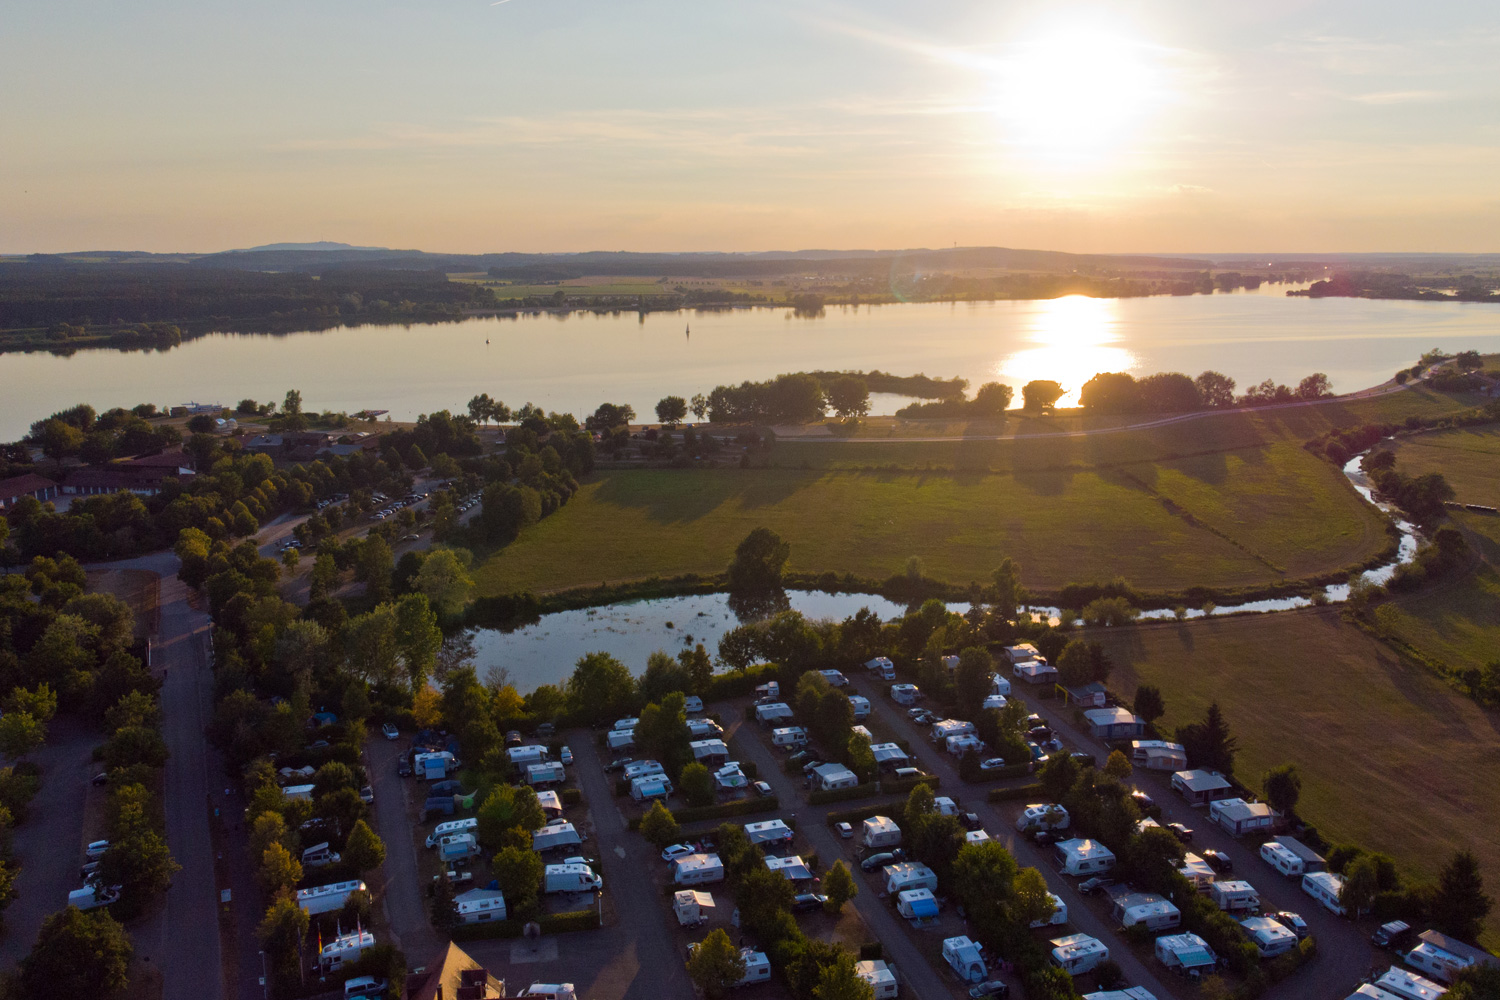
(1390, 756)
(1062, 526)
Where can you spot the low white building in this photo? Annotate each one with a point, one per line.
(1201, 787)
(1237, 817)
(1083, 857)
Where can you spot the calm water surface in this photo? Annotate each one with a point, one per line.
(573, 362)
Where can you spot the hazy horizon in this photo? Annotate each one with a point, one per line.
(1104, 126)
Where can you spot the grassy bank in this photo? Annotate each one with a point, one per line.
(1390, 756)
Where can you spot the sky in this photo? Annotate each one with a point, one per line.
(564, 125)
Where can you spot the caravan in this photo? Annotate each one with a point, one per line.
(881, 832)
(1269, 937)
(909, 875)
(1042, 816)
(916, 904)
(776, 711)
(1083, 857)
(1059, 913)
(698, 869)
(620, 739)
(1408, 985)
(1235, 897)
(882, 668)
(479, 906)
(1445, 957)
(905, 694)
(1078, 953)
(965, 958)
(1282, 859)
(1326, 888)
(1184, 951)
(327, 898)
(657, 786)
(555, 835)
(1146, 909)
(880, 976)
(790, 736)
(470, 825)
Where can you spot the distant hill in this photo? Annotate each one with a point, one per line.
(320, 246)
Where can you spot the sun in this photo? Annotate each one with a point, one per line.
(1075, 93)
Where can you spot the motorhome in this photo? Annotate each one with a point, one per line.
(790, 736)
(574, 877)
(479, 906)
(861, 706)
(698, 869)
(91, 896)
(344, 949)
(448, 829)
(880, 832)
(965, 958)
(319, 855)
(1078, 953)
(835, 678)
(882, 668)
(545, 774)
(327, 898)
(945, 728)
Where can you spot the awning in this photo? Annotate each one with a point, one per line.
(923, 908)
(1194, 957)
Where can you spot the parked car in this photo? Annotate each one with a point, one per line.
(1039, 734)
(1183, 833)
(989, 988)
(875, 862)
(675, 851)
(806, 902)
(1032, 721)
(1143, 801)
(1096, 884)
(618, 764)
(1217, 860)
(565, 755)
(367, 795)
(845, 830)
(912, 713)
(1046, 838)
(403, 768)
(799, 756)
(1292, 922)
(1083, 759)
(513, 738)
(1394, 935)
(970, 821)
(88, 870)
(317, 745)
(100, 779)
(762, 789)
(993, 764)
(96, 850)
(389, 729)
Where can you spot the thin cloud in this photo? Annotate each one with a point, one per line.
(1402, 97)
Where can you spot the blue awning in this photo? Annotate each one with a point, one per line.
(1194, 958)
(924, 908)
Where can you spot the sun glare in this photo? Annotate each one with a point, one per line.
(1074, 337)
(1075, 94)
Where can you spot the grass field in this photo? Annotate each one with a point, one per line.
(1469, 458)
(1062, 525)
(1390, 756)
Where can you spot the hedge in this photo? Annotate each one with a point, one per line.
(844, 794)
(1003, 774)
(1031, 791)
(725, 810)
(572, 796)
(897, 785)
(864, 812)
(551, 923)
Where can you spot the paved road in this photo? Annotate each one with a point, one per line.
(183, 938)
(49, 845)
(396, 886)
(918, 977)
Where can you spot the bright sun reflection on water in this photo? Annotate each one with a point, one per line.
(1074, 337)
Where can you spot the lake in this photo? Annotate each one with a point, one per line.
(572, 362)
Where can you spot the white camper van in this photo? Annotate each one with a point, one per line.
(470, 825)
(790, 736)
(319, 855)
(1235, 896)
(1282, 859)
(882, 668)
(574, 877)
(1042, 816)
(327, 898)
(1326, 888)
(344, 949)
(698, 869)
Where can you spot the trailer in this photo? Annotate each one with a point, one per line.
(1326, 888)
(546, 774)
(881, 976)
(327, 898)
(1235, 896)
(1078, 953)
(555, 835)
(880, 832)
(776, 711)
(965, 958)
(916, 904)
(698, 869)
(691, 907)
(479, 906)
(347, 948)
(620, 739)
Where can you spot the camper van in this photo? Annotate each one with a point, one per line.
(692, 703)
(965, 958)
(319, 855)
(791, 736)
(1281, 859)
(770, 689)
(470, 825)
(1326, 888)
(881, 832)
(835, 678)
(344, 949)
(1235, 897)
(91, 896)
(1269, 937)
(545, 774)
(574, 877)
(1059, 913)
(757, 967)
(861, 706)
(327, 898)
(905, 694)
(882, 668)
(1078, 953)
(698, 869)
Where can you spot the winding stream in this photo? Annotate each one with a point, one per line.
(545, 652)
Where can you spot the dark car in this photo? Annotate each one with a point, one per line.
(989, 988)
(100, 779)
(513, 738)
(1083, 759)
(762, 789)
(1291, 922)
(1393, 935)
(1096, 884)
(449, 787)
(618, 764)
(1039, 734)
(1145, 802)
(806, 902)
(799, 756)
(1217, 860)
(1046, 838)
(1183, 833)
(970, 821)
(403, 768)
(1032, 721)
(875, 862)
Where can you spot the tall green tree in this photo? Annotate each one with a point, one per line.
(444, 579)
(849, 396)
(758, 562)
(1460, 904)
(697, 785)
(601, 689)
(77, 954)
(671, 410)
(838, 981)
(1283, 787)
(839, 886)
(1361, 884)
(417, 637)
(519, 871)
(508, 807)
(716, 965)
(364, 851)
(659, 826)
(1148, 703)
(1031, 900)
(972, 678)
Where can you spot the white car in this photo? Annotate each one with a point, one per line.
(676, 851)
(565, 755)
(845, 830)
(96, 849)
(389, 729)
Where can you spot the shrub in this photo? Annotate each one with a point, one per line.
(896, 786)
(844, 794)
(1034, 790)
